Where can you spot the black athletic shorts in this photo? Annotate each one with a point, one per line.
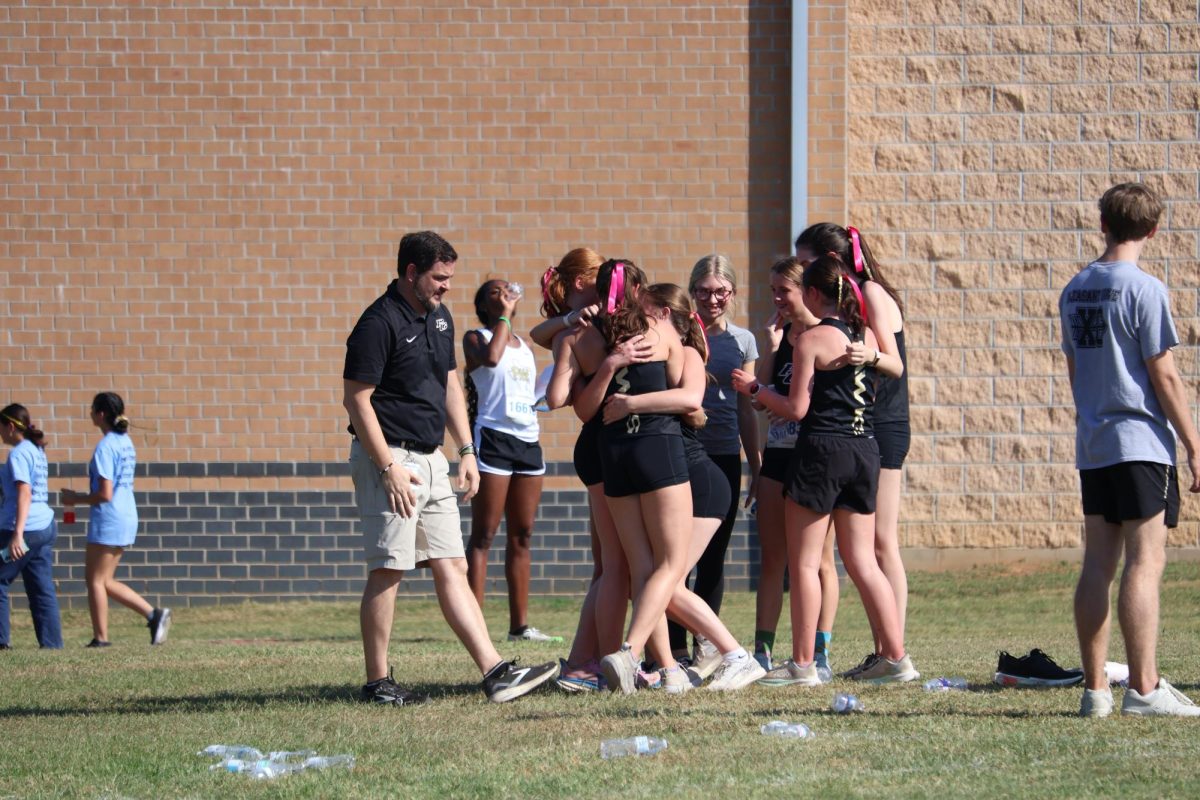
(775, 463)
(587, 455)
(710, 489)
(828, 472)
(642, 464)
(1131, 490)
(893, 441)
(504, 454)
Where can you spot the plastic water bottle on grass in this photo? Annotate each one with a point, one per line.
(946, 685)
(845, 703)
(325, 762)
(243, 752)
(786, 730)
(633, 746)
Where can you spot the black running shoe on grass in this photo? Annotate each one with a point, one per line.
(386, 692)
(508, 681)
(1035, 669)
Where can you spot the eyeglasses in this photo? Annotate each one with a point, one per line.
(703, 295)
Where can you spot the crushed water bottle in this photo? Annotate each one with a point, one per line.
(845, 703)
(633, 746)
(243, 752)
(325, 762)
(946, 685)
(787, 730)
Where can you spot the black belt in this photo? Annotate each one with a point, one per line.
(416, 447)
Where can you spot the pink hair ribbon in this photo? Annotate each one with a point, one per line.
(616, 287)
(862, 303)
(547, 278)
(700, 322)
(860, 264)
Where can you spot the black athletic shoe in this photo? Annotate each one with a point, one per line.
(5, 646)
(507, 681)
(386, 691)
(1035, 669)
(160, 622)
(98, 643)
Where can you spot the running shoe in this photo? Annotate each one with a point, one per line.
(586, 681)
(620, 670)
(1096, 703)
(508, 681)
(734, 674)
(98, 643)
(821, 659)
(789, 673)
(884, 670)
(386, 692)
(867, 662)
(1035, 669)
(762, 654)
(1164, 701)
(159, 623)
(532, 634)
(675, 681)
(647, 678)
(705, 658)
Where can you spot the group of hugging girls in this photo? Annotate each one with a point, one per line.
(668, 394)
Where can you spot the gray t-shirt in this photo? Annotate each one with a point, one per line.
(1114, 317)
(727, 351)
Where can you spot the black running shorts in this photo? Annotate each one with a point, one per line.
(775, 462)
(501, 453)
(893, 440)
(1131, 490)
(828, 472)
(642, 464)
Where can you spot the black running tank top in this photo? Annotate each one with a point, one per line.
(891, 394)
(644, 378)
(842, 399)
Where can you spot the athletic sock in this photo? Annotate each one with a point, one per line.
(823, 637)
(736, 655)
(766, 638)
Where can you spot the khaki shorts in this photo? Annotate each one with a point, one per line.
(391, 541)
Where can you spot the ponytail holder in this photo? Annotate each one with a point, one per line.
(700, 322)
(616, 287)
(547, 279)
(122, 418)
(862, 303)
(19, 425)
(860, 264)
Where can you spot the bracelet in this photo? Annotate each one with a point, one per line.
(466, 450)
(504, 319)
(383, 471)
(876, 361)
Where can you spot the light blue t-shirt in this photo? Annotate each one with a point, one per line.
(26, 464)
(1114, 317)
(727, 351)
(113, 460)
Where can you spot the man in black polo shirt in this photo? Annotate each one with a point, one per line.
(402, 394)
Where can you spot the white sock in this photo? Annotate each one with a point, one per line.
(736, 655)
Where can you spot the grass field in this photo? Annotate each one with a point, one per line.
(126, 722)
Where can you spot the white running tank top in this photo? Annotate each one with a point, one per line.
(506, 392)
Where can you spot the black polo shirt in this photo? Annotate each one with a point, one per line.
(406, 357)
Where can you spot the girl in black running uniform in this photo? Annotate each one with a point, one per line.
(834, 471)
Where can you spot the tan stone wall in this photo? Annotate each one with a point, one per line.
(981, 136)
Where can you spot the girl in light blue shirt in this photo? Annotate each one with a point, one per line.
(27, 529)
(112, 522)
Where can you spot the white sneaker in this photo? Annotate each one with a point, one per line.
(1164, 701)
(884, 670)
(789, 673)
(620, 670)
(1096, 703)
(675, 681)
(532, 634)
(705, 658)
(735, 674)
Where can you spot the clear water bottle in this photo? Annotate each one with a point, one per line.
(788, 730)
(325, 762)
(243, 752)
(633, 746)
(6, 555)
(824, 674)
(267, 769)
(290, 756)
(946, 685)
(515, 290)
(845, 703)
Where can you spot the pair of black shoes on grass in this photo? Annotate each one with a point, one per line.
(505, 681)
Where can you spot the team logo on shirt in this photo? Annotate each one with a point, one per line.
(1088, 327)
(785, 375)
(442, 325)
(859, 424)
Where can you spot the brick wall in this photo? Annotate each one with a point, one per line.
(981, 136)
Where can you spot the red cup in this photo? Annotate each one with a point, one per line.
(69, 515)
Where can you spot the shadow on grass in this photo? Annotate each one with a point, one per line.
(330, 694)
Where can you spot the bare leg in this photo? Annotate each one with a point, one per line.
(806, 531)
(1102, 547)
(831, 588)
(462, 612)
(585, 647)
(686, 607)
(486, 507)
(524, 493)
(99, 567)
(887, 541)
(772, 542)
(1137, 602)
(612, 596)
(375, 615)
(856, 542)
